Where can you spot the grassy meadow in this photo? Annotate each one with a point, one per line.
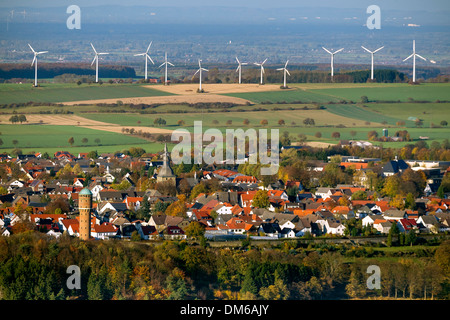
(45, 138)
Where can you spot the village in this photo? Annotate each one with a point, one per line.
(141, 198)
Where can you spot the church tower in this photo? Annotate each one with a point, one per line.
(85, 208)
(165, 173)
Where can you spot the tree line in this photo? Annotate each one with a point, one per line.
(33, 267)
(51, 70)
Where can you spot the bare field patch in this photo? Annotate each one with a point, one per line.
(58, 120)
(217, 88)
(198, 98)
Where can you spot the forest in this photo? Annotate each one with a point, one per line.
(51, 70)
(33, 267)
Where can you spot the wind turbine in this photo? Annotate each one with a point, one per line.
(262, 69)
(332, 58)
(35, 63)
(414, 55)
(96, 61)
(372, 53)
(146, 56)
(285, 70)
(165, 63)
(200, 69)
(239, 68)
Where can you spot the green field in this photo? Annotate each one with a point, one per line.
(352, 92)
(321, 117)
(49, 136)
(391, 92)
(22, 93)
(289, 96)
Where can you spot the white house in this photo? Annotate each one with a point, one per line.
(324, 192)
(382, 226)
(96, 190)
(334, 227)
(370, 219)
(103, 231)
(427, 223)
(302, 227)
(54, 233)
(223, 208)
(4, 232)
(394, 214)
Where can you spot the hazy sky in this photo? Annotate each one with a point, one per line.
(430, 5)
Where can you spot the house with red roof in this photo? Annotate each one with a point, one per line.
(246, 198)
(103, 231)
(245, 179)
(133, 203)
(406, 225)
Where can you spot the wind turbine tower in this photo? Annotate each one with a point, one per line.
(285, 70)
(96, 61)
(35, 62)
(146, 56)
(372, 53)
(332, 59)
(199, 71)
(165, 63)
(239, 68)
(414, 55)
(262, 69)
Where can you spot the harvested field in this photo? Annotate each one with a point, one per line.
(63, 120)
(73, 120)
(217, 88)
(189, 98)
(187, 93)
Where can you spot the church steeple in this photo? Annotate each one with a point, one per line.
(165, 172)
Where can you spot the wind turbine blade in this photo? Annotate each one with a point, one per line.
(237, 69)
(162, 64)
(366, 49)
(338, 50)
(149, 47)
(41, 52)
(326, 50)
(170, 64)
(103, 53)
(408, 57)
(149, 58)
(196, 72)
(32, 62)
(421, 57)
(279, 69)
(93, 48)
(205, 69)
(378, 49)
(257, 64)
(31, 48)
(94, 60)
(139, 54)
(237, 60)
(244, 63)
(286, 64)
(262, 68)
(287, 71)
(264, 61)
